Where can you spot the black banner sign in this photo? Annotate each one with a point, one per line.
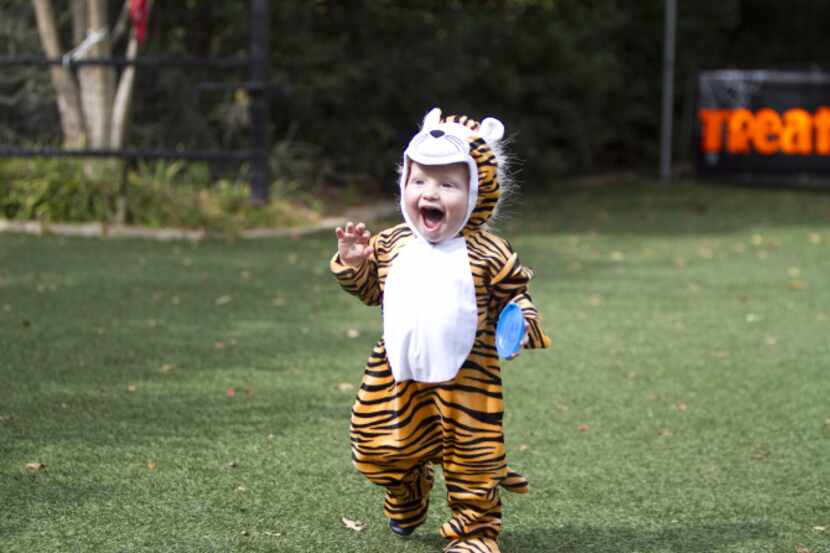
(763, 123)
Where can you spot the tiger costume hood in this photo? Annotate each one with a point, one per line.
(459, 139)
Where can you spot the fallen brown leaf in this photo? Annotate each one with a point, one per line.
(152, 466)
(249, 392)
(345, 386)
(664, 433)
(131, 388)
(583, 427)
(355, 525)
(706, 252)
(222, 300)
(681, 406)
(799, 284)
(523, 447)
(801, 549)
(167, 368)
(760, 455)
(353, 333)
(33, 467)
(6, 418)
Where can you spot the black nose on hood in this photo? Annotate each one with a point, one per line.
(437, 133)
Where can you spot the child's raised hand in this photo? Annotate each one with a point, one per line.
(353, 244)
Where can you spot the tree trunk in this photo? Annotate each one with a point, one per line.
(124, 95)
(66, 89)
(78, 8)
(97, 81)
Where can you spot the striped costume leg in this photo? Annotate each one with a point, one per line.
(473, 545)
(395, 433)
(473, 457)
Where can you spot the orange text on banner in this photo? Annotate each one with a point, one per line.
(765, 131)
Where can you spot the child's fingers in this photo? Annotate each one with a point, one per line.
(339, 233)
(349, 227)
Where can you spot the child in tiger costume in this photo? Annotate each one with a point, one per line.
(431, 391)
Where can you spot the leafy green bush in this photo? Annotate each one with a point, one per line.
(158, 194)
(53, 190)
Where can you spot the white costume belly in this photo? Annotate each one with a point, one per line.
(429, 311)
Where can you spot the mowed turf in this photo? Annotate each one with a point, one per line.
(195, 397)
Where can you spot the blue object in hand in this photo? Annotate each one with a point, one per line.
(510, 329)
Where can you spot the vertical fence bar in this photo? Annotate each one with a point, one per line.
(668, 90)
(260, 59)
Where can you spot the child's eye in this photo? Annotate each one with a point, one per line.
(448, 185)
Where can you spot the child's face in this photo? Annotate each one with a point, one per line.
(435, 199)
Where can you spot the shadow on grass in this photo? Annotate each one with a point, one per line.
(701, 539)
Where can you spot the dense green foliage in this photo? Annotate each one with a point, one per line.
(151, 194)
(577, 83)
(682, 409)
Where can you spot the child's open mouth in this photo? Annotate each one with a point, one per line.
(432, 217)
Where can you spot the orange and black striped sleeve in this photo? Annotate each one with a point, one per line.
(363, 281)
(511, 284)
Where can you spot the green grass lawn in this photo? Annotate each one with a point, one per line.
(195, 397)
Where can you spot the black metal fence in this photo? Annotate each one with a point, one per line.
(258, 88)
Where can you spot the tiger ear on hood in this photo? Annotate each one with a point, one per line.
(432, 119)
(492, 130)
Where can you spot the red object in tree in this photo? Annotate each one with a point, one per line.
(139, 12)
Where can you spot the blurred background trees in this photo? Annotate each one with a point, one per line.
(577, 82)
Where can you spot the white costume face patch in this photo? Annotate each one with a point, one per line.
(429, 311)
